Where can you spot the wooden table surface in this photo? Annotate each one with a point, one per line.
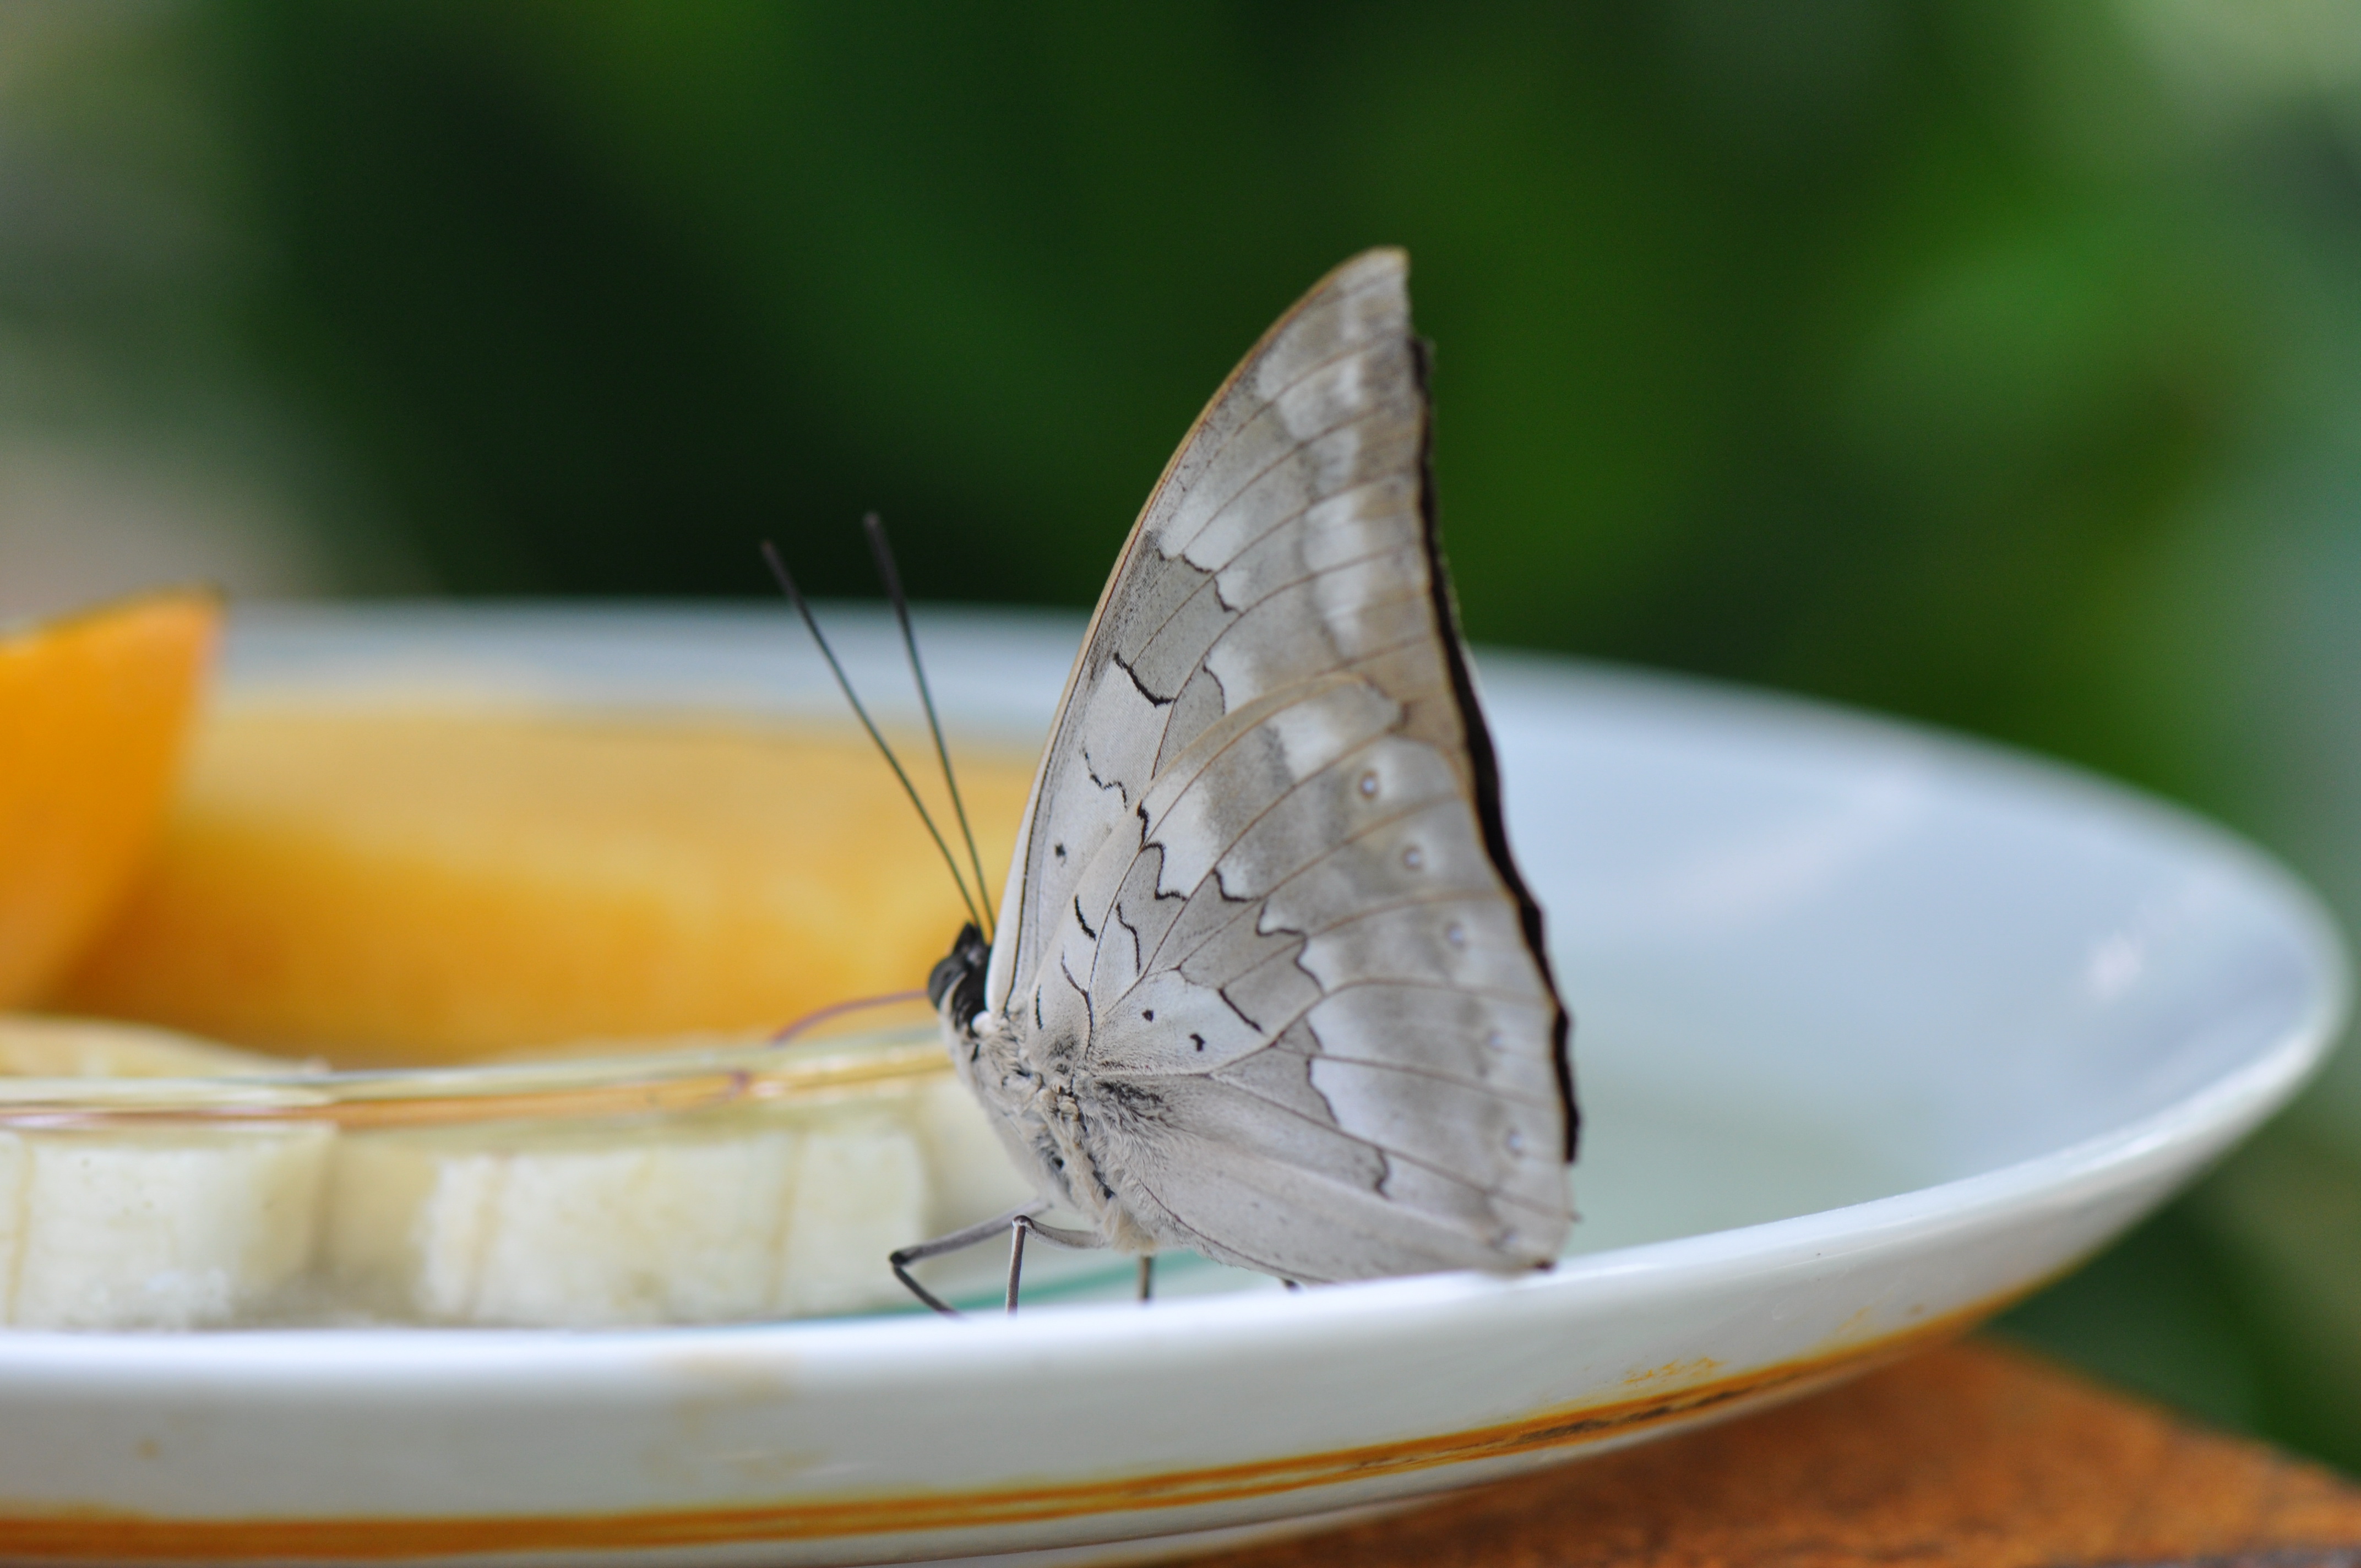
(1971, 1455)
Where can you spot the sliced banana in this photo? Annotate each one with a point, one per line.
(612, 1223)
(156, 1231)
(162, 1228)
(860, 1188)
(774, 1210)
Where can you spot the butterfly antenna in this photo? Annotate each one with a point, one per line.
(884, 552)
(796, 597)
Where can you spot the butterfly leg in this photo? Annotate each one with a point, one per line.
(1022, 1224)
(1147, 1275)
(1016, 1229)
(958, 1241)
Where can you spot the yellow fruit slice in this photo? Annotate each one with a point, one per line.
(94, 710)
(424, 885)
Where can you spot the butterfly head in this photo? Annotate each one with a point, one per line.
(955, 985)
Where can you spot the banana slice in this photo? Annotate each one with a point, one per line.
(160, 1228)
(744, 1213)
(140, 1230)
(689, 1220)
(859, 1192)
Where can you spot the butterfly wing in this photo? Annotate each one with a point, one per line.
(1264, 919)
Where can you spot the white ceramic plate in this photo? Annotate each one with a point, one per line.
(1877, 1031)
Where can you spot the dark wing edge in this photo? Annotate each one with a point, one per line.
(1483, 761)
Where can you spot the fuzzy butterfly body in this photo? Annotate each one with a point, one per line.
(1266, 982)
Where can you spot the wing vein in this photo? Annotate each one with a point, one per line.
(1364, 1140)
(1310, 865)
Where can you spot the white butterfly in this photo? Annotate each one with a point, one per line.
(1266, 982)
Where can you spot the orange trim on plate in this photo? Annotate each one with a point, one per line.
(84, 1534)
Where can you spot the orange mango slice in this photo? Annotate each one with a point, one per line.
(94, 710)
(426, 885)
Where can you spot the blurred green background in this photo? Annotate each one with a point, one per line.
(1995, 364)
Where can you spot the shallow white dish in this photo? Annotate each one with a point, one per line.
(1876, 1032)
